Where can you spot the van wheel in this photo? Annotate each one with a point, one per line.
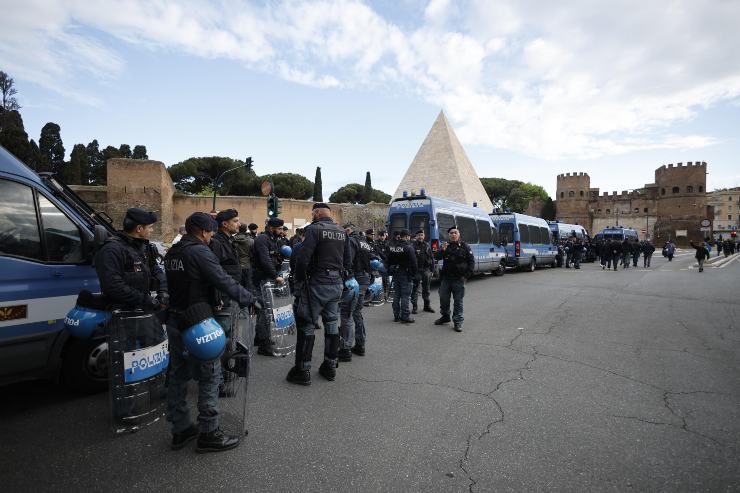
(532, 265)
(85, 365)
(500, 271)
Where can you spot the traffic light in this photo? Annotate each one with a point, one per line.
(273, 206)
(733, 233)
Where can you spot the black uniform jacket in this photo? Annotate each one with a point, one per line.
(128, 272)
(457, 260)
(195, 274)
(324, 256)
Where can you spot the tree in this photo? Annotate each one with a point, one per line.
(368, 192)
(14, 138)
(354, 193)
(35, 159)
(75, 172)
(194, 174)
(548, 210)
(512, 194)
(51, 146)
(9, 102)
(318, 194)
(140, 152)
(125, 151)
(96, 167)
(290, 185)
(111, 152)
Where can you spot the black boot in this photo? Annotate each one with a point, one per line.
(414, 310)
(328, 371)
(216, 441)
(442, 320)
(407, 320)
(345, 355)
(331, 353)
(359, 350)
(179, 440)
(303, 352)
(428, 308)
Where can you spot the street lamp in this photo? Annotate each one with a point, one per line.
(217, 181)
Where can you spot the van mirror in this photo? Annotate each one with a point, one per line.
(100, 235)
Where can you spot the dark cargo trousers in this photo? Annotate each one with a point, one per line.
(455, 288)
(401, 295)
(422, 280)
(183, 369)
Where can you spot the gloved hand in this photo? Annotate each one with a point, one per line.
(151, 303)
(257, 305)
(164, 298)
(353, 285)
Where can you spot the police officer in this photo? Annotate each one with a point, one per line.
(458, 263)
(127, 265)
(402, 265)
(352, 325)
(244, 243)
(380, 247)
(319, 269)
(267, 262)
(222, 245)
(425, 267)
(196, 275)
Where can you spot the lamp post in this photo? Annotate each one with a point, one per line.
(217, 181)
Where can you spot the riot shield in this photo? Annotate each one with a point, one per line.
(279, 306)
(138, 354)
(236, 364)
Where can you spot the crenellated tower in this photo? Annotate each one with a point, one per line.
(572, 198)
(681, 201)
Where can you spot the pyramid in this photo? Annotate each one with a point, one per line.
(443, 170)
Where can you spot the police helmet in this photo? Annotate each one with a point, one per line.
(286, 251)
(204, 338)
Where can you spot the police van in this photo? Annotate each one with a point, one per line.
(435, 216)
(618, 233)
(563, 231)
(48, 236)
(527, 240)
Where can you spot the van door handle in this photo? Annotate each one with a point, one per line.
(56, 273)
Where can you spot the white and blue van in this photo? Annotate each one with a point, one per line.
(618, 233)
(435, 216)
(47, 240)
(527, 240)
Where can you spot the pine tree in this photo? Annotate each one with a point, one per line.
(14, 137)
(367, 195)
(125, 151)
(51, 146)
(74, 171)
(318, 195)
(140, 152)
(97, 171)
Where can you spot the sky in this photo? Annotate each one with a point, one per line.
(532, 88)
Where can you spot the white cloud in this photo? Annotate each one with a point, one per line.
(549, 80)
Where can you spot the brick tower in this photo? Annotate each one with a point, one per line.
(572, 199)
(681, 202)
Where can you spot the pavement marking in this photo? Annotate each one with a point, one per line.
(726, 263)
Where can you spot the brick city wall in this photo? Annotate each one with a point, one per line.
(147, 184)
(674, 203)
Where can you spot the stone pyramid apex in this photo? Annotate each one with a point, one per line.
(442, 168)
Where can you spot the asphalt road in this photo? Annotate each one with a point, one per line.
(563, 380)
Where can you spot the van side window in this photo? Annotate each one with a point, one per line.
(444, 222)
(494, 235)
(468, 231)
(484, 232)
(534, 234)
(545, 236)
(523, 233)
(63, 242)
(19, 228)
